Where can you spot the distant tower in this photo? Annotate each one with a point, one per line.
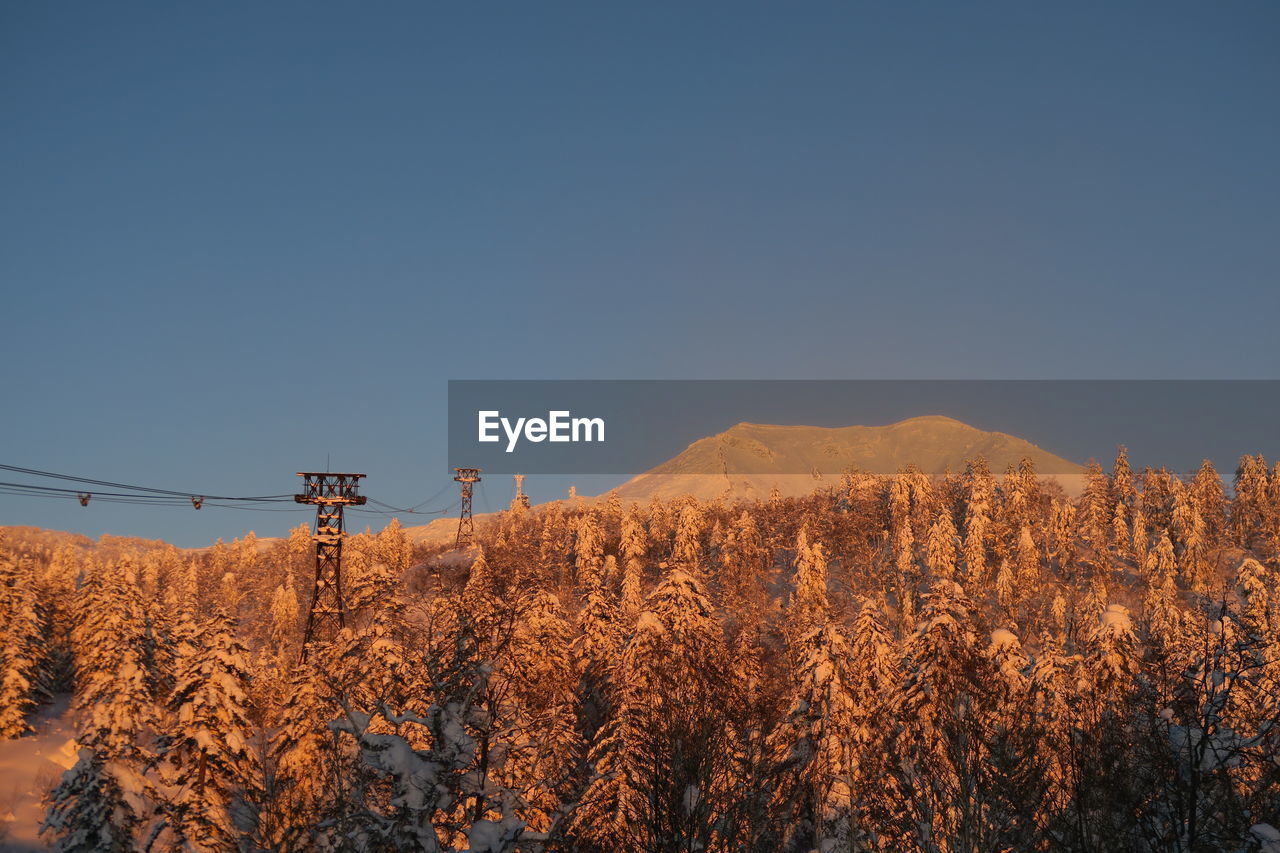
(521, 501)
(330, 493)
(466, 526)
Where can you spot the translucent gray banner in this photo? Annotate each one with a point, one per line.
(817, 429)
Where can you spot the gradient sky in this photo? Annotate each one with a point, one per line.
(237, 239)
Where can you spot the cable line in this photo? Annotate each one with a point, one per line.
(183, 494)
(152, 496)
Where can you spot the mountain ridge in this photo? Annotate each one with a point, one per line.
(798, 459)
(749, 460)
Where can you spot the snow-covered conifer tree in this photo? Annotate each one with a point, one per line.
(743, 559)
(372, 581)
(1164, 563)
(941, 546)
(941, 653)
(588, 552)
(1053, 677)
(207, 760)
(1009, 661)
(97, 807)
(1164, 620)
(1122, 532)
(284, 612)
(307, 762)
(613, 506)
(1027, 557)
(1112, 658)
(632, 548)
(544, 758)
(1271, 521)
(393, 549)
(1261, 595)
(977, 522)
(479, 589)
(816, 740)
(1210, 499)
(810, 605)
(659, 759)
(874, 680)
(686, 552)
(1249, 506)
(1097, 509)
(113, 687)
(1123, 490)
(1063, 524)
(943, 747)
(901, 533)
(1007, 585)
(22, 676)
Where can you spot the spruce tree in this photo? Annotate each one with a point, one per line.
(95, 808)
(947, 679)
(544, 762)
(816, 740)
(307, 761)
(23, 677)
(1249, 506)
(114, 690)
(588, 552)
(284, 613)
(941, 546)
(744, 560)
(657, 762)
(207, 759)
(1097, 509)
(810, 605)
(687, 552)
(977, 522)
(1123, 490)
(1210, 499)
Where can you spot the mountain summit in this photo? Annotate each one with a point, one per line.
(750, 460)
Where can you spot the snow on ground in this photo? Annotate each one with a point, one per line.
(1268, 837)
(29, 767)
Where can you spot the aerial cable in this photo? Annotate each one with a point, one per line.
(169, 497)
(182, 494)
(416, 507)
(54, 489)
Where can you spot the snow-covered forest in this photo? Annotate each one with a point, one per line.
(972, 662)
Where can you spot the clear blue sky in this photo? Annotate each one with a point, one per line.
(237, 237)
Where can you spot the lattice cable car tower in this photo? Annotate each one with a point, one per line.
(330, 493)
(521, 501)
(466, 526)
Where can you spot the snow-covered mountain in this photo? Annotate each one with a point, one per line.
(749, 460)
